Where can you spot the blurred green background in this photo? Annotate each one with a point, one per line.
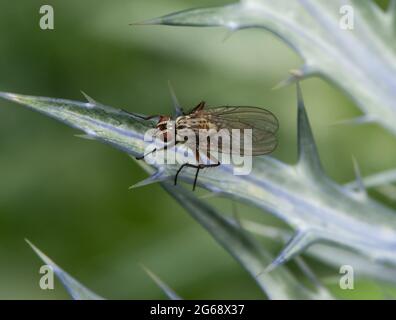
(70, 197)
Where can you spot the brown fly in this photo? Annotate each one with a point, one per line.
(262, 123)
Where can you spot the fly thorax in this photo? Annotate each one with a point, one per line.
(185, 134)
(166, 131)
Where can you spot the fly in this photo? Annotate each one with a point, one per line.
(262, 123)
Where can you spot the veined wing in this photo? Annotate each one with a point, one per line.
(262, 123)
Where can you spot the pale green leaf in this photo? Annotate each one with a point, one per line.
(170, 293)
(76, 290)
(315, 206)
(361, 60)
(279, 284)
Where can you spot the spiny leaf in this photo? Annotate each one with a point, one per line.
(361, 189)
(297, 244)
(378, 179)
(335, 256)
(90, 99)
(295, 76)
(361, 61)
(383, 182)
(96, 120)
(154, 178)
(280, 284)
(165, 288)
(176, 105)
(308, 156)
(356, 121)
(76, 290)
(320, 206)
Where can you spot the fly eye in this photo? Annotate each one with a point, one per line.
(161, 126)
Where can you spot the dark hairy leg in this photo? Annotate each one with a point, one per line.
(145, 155)
(155, 149)
(139, 116)
(198, 167)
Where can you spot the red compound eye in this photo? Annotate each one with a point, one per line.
(163, 119)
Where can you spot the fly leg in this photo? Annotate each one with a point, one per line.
(155, 149)
(202, 166)
(181, 168)
(139, 116)
(145, 155)
(198, 167)
(197, 157)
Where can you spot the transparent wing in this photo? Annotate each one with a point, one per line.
(256, 124)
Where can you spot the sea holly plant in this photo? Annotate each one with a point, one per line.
(280, 284)
(351, 43)
(254, 258)
(318, 209)
(76, 290)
